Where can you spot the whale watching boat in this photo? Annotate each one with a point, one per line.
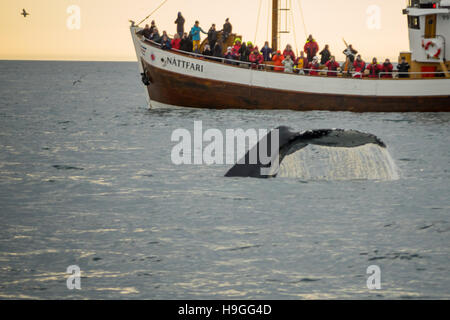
(186, 79)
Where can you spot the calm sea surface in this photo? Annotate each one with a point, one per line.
(86, 179)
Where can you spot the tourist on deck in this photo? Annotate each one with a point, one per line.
(288, 52)
(180, 24)
(301, 63)
(235, 51)
(332, 66)
(212, 36)
(228, 55)
(402, 68)
(278, 59)
(314, 66)
(217, 51)
(164, 34)
(288, 64)
(256, 58)
(155, 36)
(227, 29)
(350, 53)
(267, 52)
(176, 42)
(359, 67)
(387, 67)
(207, 52)
(326, 55)
(195, 32)
(146, 32)
(374, 69)
(186, 43)
(311, 48)
(165, 43)
(152, 26)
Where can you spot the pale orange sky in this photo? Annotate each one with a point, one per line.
(104, 33)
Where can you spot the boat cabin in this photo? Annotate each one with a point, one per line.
(429, 37)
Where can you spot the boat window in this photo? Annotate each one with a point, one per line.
(413, 22)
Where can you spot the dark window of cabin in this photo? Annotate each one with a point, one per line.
(414, 22)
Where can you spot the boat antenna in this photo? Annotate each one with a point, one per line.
(152, 12)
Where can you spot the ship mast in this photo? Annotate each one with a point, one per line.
(274, 25)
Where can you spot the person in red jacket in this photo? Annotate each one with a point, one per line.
(314, 67)
(278, 59)
(311, 48)
(374, 68)
(332, 65)
(236, 48)
(176, 42)
(288, 52)
(256, 58)
(387, 67)
(359, 66)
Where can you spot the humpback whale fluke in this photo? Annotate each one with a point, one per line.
(291, 142)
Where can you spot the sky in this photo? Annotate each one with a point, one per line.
(98, 30)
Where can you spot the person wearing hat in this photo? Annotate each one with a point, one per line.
(256, 58)
(278, 59)
(311, 48)
(359, 66)
(235, 51)
(314, 66)
(228, 55)
(180, 24)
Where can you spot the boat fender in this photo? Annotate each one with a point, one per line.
(146, 80)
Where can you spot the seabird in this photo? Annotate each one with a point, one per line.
(24, 13)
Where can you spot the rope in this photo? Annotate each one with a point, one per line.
(153, 12)
(268, 20)
(257, 20)
(293, 27)
(303, 18)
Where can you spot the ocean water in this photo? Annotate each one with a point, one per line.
(86, 179)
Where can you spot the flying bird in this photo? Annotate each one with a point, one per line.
(24, 13)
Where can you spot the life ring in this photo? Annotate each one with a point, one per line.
(433, 48)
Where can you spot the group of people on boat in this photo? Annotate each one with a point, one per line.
(247, 54)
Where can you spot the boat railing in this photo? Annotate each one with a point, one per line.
(428, 73)
(303, 71)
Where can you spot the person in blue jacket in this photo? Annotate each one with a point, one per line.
(195, 32)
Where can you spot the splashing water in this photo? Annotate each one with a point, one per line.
(368, 162)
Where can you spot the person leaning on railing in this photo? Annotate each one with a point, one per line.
(387, 69)
(332, 66)
(403, 68)
(359, 66)
(374, 68)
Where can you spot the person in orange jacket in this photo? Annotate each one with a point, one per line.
(278, 59)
